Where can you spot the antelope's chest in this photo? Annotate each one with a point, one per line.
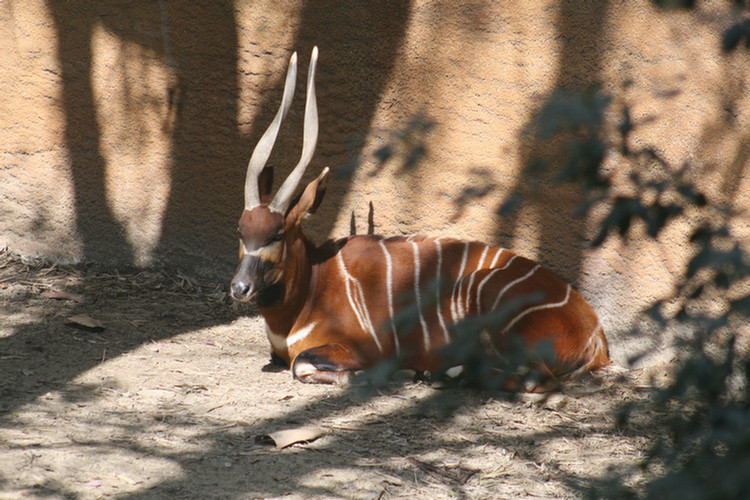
(287, 346)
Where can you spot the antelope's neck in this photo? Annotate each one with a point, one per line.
(282, 303)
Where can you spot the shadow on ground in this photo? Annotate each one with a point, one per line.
(150, 408)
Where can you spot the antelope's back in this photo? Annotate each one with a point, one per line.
(407, 293)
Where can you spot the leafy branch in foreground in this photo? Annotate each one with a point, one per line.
(705, 450)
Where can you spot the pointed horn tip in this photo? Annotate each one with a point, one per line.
(315, 52)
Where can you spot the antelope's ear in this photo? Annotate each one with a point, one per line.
(309, 200)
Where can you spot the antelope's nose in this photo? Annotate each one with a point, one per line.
(239, 290)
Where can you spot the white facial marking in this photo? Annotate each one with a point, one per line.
(252, 253)
(258, 252)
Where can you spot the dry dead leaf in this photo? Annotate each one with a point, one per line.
(85, 321)
(288, 437)
(51, 293)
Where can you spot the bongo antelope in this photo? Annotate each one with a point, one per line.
(334, 308)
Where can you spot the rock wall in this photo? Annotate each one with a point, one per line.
(126, 126)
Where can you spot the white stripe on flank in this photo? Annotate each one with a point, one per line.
(454, 312)
(497, 256)
(389, 292)
(539, 308)
(507, 264)
(357, 300)
(593, 347)
(300, 334)
(464, 309)
(485, 280)
(418, 293)
(439, 275)
(594, 340)
(471, 279)
(512, 283)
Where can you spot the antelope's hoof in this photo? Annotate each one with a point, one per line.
(309, 374)
(314, 369)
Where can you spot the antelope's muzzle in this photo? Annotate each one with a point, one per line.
(251, 276)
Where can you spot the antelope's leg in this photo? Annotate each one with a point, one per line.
(277, 360)
(545, 382)
(326, 364)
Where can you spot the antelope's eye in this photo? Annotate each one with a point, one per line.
(276, 237)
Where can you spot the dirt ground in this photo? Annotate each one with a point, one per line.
(160, 388)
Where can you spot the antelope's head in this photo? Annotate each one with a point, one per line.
(266, 228)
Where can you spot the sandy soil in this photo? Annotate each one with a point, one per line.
(168, 393)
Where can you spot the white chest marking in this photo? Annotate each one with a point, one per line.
(282, 343)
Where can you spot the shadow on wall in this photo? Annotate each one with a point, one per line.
(714, 139)
(581, 27)
(209, 156)
(205, 140)
(102, 237)
(359, 44)
(199, 44)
